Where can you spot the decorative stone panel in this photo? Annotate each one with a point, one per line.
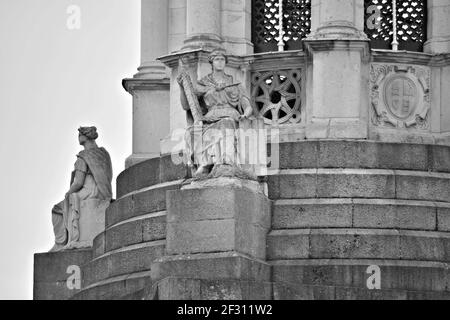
(400, 96)
(276, 96)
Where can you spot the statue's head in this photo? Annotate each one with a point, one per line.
(218, 59)
(86, 134)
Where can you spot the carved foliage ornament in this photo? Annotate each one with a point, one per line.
(400, 96)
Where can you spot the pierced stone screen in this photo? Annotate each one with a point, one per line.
(296, 24)
(410, 27)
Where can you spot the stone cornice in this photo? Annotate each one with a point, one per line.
(198, 55)
(409, 57)
(356, 44)
(276, 60)
(132, 84)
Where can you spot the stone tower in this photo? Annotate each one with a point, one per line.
(355, 201)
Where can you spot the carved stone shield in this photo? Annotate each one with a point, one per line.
(401, 97)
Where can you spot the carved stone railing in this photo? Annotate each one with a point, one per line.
(277, 87)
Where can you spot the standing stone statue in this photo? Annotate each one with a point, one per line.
(81, 215)
(215, 105)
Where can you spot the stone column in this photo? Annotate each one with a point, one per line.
(438, 35)
(438, 27)
(177, 24)
(150, 86)
(338, 69)
(337, 19)
(237, 26)
(203, 24)
(154, 38)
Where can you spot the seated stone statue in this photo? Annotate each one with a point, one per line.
(215, 106)
(81, 215)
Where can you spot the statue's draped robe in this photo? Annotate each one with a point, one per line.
(96, 164)
(215, 142)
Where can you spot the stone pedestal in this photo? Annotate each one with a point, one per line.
(215, 235)
(338, 69)
(91, 222)
(150, 117)
(57, 275)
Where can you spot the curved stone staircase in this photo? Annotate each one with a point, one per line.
(341, 207)
(134, 234)
(338, 208)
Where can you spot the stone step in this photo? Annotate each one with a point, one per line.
(150, 172)
(362, 154)
(358, 244)
(138, 203)
(361, 213)
(116, 287)
(149, 227)
(281, 291)
(359, 183)
(127, 260)
(393, 274)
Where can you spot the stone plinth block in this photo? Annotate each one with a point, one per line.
(217, 219)
(199, 289)
(57, 275)
(223, 265)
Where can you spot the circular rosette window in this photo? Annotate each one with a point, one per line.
(276, 95)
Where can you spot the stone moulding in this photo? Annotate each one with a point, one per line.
(130, 85)
(400, 96)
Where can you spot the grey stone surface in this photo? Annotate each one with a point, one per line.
(440, 158)
(139, 176)
(50, 273)
(216, 220)
(194, 289)
(358, 244)
(443, 219)
(316, 213)
(115, 289)
(169, 171)
(347, 243)
(288, 244)
(293, 186)
(385, 214)
(331, 184)
(127, 260)
(394, 274)
(362, 154)
(98, 247)
(143, 229)
(282, 291)
(229, 265)
(431, 187)
(422, 245)
(137, 204)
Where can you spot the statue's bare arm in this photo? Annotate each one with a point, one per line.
(78, 182)
(79, 176)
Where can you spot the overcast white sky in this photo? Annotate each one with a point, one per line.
(52, 80)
